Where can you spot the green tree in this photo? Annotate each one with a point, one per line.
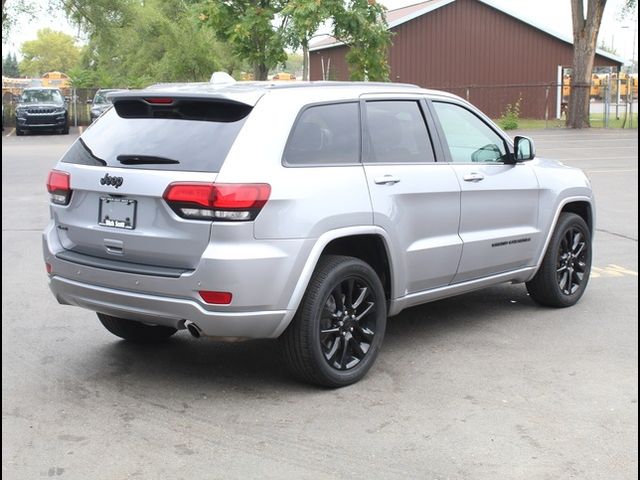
(363, 27)
(294, 64)
(10, 66)
(248, 26)
(259, 30)
(134, 44)
(15, 9)
(50, 51)
(304, 19)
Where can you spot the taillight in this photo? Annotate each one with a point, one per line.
(59, 186)
(217, 201)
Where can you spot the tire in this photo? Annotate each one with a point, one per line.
(566, 266)
(19, 132)
(135, 331)
(346, 300)
(65, 130)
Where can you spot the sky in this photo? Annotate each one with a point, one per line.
(554, 14)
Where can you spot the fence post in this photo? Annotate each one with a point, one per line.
(75, 107)
(607, 103)
(630, 96)
(618, 84)
(546, 108)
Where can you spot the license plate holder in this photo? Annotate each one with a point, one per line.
(117, 213)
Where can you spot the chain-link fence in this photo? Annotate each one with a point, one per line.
(613, 103)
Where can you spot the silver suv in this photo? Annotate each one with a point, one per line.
(305, 212)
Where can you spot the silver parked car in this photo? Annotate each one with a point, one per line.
(305, 212)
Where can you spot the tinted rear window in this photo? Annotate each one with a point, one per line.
(325, 135)
(155, 143)
(397, 133)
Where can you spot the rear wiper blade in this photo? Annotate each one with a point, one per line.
(144, 160)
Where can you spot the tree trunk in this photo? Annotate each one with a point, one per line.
(585, 36)
(260, 71)
(305, 60)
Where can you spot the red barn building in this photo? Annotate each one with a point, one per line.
(473, 48)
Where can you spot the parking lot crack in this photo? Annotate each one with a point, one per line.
(621, 235)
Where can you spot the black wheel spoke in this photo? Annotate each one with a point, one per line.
(357, 348)
(333, 349)
(365, 334)
(349, 294)
(358, 301)
(338, 296)
(329, 331)
(575, 241)
(365, 311)
(564, 279)
(343, 356)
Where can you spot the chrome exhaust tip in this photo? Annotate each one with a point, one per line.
(194, 330)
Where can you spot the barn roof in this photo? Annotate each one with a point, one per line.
(402, 15)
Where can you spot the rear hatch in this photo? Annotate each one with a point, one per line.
(122, 165)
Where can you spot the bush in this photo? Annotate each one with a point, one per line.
(510, 117)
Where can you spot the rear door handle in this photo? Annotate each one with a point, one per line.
(386, 180)
(473, 177)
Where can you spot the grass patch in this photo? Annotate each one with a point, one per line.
(596, 119)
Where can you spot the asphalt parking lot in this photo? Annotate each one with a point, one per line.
(483, 386)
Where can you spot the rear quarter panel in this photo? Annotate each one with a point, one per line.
(305, 202)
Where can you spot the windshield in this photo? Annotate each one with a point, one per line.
(41, 96)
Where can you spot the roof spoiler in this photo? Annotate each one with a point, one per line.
(179, 106)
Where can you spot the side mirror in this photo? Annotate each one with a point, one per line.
(523, 149)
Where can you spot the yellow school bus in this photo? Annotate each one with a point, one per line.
(56, 79)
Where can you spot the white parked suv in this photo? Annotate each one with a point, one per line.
(308, 212)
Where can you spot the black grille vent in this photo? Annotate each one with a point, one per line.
(40, 110)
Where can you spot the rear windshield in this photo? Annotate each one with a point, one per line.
(155, 143)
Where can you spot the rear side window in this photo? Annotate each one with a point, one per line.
(156, 143)
(397, 133)
(325, 135)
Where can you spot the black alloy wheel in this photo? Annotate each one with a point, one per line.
(348, 323)
(571, 265)
(564, 272)
(336, 334)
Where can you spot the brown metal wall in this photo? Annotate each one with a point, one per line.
(469, 44)
(334, 62)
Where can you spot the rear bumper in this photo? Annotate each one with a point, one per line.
(171, 312)
(260, 275)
